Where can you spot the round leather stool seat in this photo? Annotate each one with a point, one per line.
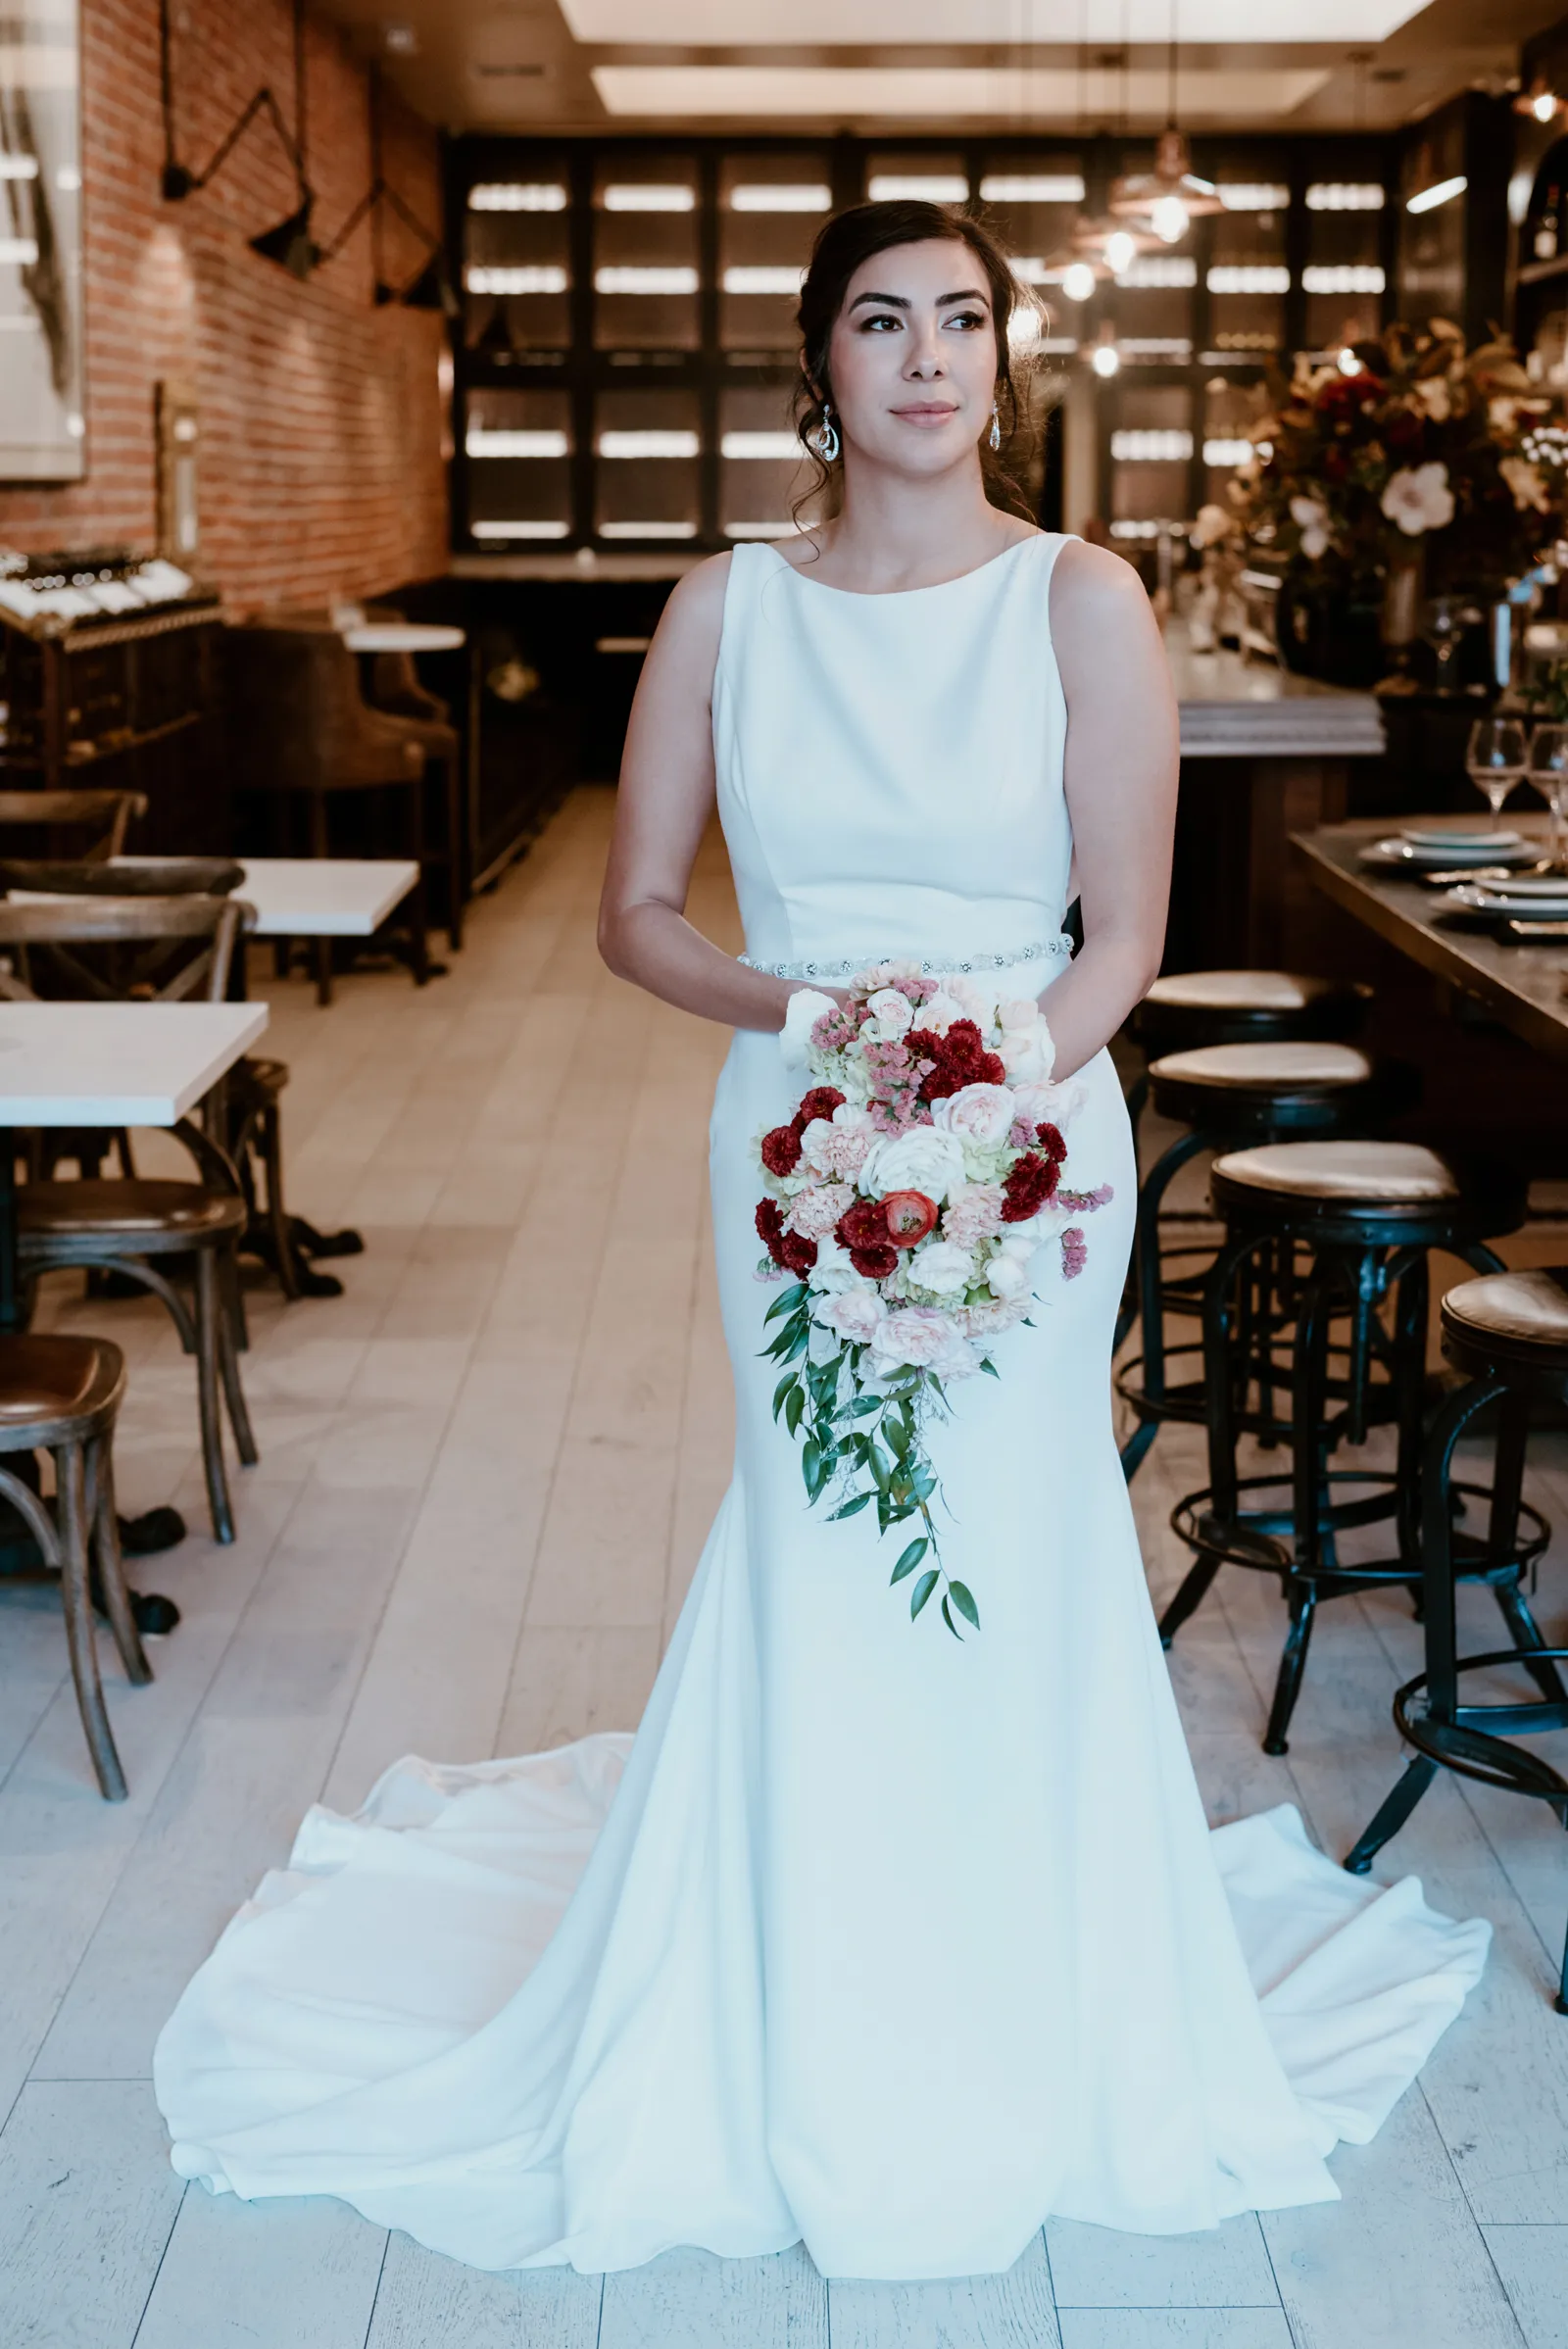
(1523, 1314)
(1244, 1007)
(1278, 1070)
(1241, 990)
(1401, 1174)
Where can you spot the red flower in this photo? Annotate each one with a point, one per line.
(874, 1263)
(1050, 1141)
(958, 1058)
(864, 1225)
(781, 1149)
(1028, 1187)
(788, 1249)
(910, 1217)
(771, 1228)
(796, 1255)
(820, 1101)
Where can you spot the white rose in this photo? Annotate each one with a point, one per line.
(1028, 1053)
(942, 1267)
(1007, 1275)
(832, 1272)
(974, 1001)
(939, 1011)
(1045, 1104)
(922, 1158)
(891, 1016)
(976, 1113)
(854, 1313)
(1311, 517)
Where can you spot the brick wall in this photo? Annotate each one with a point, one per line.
(321, 470)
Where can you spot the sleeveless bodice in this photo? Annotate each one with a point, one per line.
(890, 766)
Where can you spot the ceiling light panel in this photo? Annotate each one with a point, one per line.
(937, 93)
(719, 23)
(806, 195)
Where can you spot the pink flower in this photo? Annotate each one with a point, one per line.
(915, 1335)
(817, 1211)
(838, 1147)
(975, 1214)
(833, 1031)
(1075, 1252)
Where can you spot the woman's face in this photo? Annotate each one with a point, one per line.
(912, 356)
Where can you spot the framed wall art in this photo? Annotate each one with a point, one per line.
(42, 432)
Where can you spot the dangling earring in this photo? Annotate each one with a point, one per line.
(995, 434)
(824, 437)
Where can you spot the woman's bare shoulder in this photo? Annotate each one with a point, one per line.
(1093, 582)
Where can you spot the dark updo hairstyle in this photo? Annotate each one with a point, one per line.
(842, 245)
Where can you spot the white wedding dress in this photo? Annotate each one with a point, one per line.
(867, 1937)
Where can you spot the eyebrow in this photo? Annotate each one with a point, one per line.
(967, 293)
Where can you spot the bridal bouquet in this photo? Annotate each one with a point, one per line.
(908, 1195)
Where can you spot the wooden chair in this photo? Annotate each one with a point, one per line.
(60, 1395)
(121, 1222)
(102, 816)
(300, 728)
(393, 687)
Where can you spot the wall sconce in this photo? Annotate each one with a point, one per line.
(289, 242)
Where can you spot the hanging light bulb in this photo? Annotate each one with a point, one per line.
(1104, 357)
(1169, 219)
(1540, 102)
(1078, 281)
(1121, 251)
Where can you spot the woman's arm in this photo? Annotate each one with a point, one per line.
(1122, 757)
(664, 803)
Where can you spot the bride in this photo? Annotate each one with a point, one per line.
(871, 1937)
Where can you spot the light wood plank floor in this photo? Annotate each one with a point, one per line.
(486, 1474)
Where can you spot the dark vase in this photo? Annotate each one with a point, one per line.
(1330, 630)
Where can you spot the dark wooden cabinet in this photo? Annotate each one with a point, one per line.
(107, 678)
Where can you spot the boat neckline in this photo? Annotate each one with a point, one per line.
(886, 595)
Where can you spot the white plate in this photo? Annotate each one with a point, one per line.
(1551, 888)
(1456, 836)
(1469, 897)
(1395, 854)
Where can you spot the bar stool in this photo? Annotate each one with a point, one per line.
(1228, 1096)
(1367, 1212)
(1508, 1333)
(1189, 1008)
(60, 1395)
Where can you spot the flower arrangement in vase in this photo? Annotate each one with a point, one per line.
(1412, 468)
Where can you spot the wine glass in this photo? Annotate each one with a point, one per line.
(1548, 772)
(1496, 761)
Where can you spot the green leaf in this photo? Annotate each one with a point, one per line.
(785, 1303)
(794, 1407)
(809, 1456)
(865, 1404)
(947, 1617)
(879, 1468)
(796, 1347)
(911, 1558)
(959, 1595)
(923, 1591)
(898, 1432)
(992, 1369)
(850, 1507)
(781, 1392)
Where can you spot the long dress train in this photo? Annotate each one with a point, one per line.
(867, 1937)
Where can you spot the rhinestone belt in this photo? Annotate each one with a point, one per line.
(1048, 950)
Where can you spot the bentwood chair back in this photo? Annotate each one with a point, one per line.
(127, 1223)
(90, 824)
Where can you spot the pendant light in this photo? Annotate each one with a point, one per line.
(1168, 199)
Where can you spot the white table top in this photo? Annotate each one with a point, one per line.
(324, 897)
(402, 636)
(116, 1064)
